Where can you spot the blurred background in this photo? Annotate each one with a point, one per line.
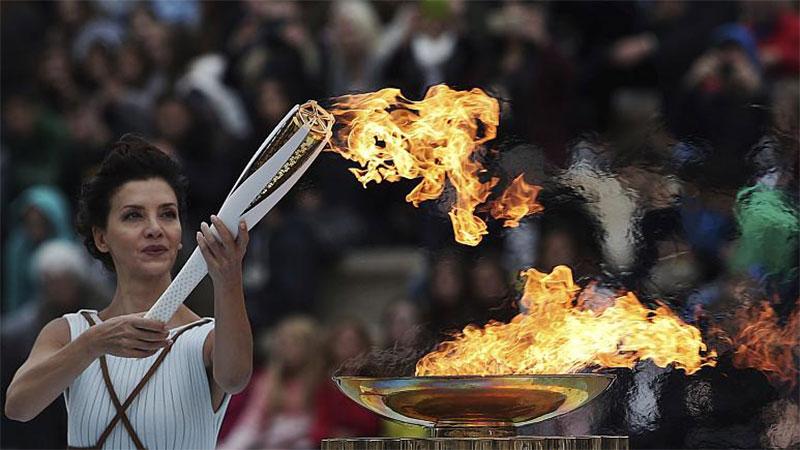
(664, 134)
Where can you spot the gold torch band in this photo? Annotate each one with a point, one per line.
(320, 124)
(309, 116)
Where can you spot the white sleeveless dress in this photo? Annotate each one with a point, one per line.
(172, 411)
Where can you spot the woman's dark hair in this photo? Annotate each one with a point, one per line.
(131, 159)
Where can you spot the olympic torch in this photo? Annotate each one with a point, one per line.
(275, 167)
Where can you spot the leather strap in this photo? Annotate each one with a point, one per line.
(122, 407)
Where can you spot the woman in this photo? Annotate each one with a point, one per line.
(278, 412)
(166, 385)
(335, 416)
(41, 213)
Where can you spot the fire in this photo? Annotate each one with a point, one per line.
(761, 343)
(436, 140)
(564, 333)
(516, 202)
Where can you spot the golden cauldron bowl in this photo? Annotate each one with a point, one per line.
(469, 406)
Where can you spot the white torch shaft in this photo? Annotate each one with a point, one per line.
(232, 211)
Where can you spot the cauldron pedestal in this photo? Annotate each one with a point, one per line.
(482, 443)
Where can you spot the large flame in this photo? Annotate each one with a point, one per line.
(435, 139)
(559, 333)
(760, 342)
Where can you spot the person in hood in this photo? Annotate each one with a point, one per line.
(41, 213)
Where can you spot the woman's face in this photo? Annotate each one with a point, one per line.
(174, 119)
(446, 283)
(36, 224)
(488, 283)
(348, 343)
(272, 101)
(294, 348)
(143, 230)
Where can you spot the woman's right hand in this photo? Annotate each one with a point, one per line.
(128, 336)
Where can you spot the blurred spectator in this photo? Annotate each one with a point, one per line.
(22, 34)
(490, 291)
(271, 101)
(96, 38)
(174, 123)
(337, 416)
(520, 244)
(40, 213)
(358, 45)
(204, 76)
(125, 95)
(447, 294)
(291, 249)
(614, 51)
(184, 13)
(89, 139)
(352, 36)
(786, 118)
(166, 48)
(401, 324)
(437, 50)
(707, 220)
(767, 220)
(35, 140)
(557, 249)
(55, 76)
(675, 270)
(72, 15)
(680, 31)
(186, 129)
(267, 102)
(141, 83)
(402, 329)
(533, 74)
(60, 269)
(268, 39)
(279, 412)
(776, 27)
(721, 92)
(303, 236)
(610, 207)
(569, 237)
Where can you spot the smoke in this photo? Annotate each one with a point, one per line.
(782, 419)
(396, 361)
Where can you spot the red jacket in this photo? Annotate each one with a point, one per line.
(338, 416)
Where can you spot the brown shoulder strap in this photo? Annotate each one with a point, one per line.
(157, 363)
(121, 408)
(115, 400)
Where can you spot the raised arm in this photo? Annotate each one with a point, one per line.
(229, 347)
(55, 361)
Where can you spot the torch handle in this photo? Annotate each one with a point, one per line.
(188, 278)
(191, 274)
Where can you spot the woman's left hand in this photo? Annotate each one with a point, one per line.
(224, 254)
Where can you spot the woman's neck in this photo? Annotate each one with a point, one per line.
(135, 295)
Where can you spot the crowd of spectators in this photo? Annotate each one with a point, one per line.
(653, 128)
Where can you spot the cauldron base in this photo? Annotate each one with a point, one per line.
(482, 443)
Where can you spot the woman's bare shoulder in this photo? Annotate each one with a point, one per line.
(56, 332)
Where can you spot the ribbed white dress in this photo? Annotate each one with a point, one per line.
(173, 410)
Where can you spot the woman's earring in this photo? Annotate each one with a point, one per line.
(180, 245)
